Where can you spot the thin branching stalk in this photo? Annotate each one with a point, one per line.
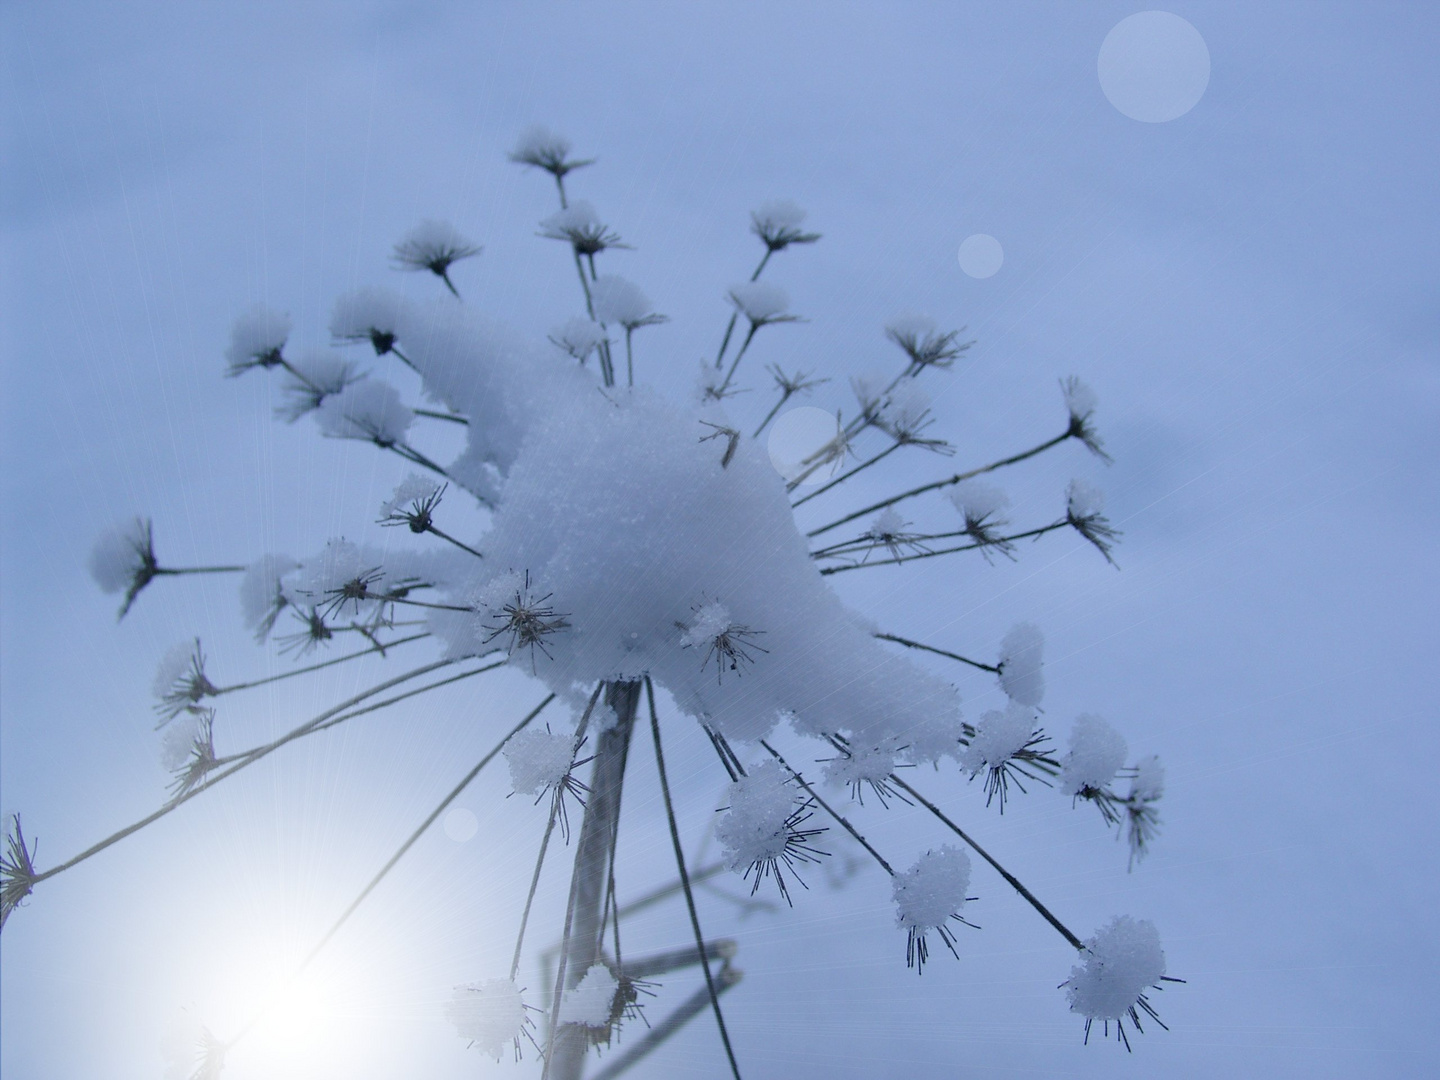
(945, 551)
(316, 667)
(1013, 881)
(377, 706)
(938, 652)
(685, 881)
(390, 865)
(734, 315)
(434, 415)
(845, 475)
(937, 484)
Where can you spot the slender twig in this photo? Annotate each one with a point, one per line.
(754, 326)
(253, 757)
(316, 667)
(166, 571)
(734, 315)
(336, 720)
(957, 478)
(845, 475)
(685, 880)
(433, 415)
(828, 808)
(939, 652)
(1009, 877)
(460, 544)
(945, 551)
(390, 865)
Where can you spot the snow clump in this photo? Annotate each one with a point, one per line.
(489, 1014)
(1097, 753)
(1022, 660)
(756, 826)
(1121, 961)
(538, 760)
(998, 737)
(591, 1000)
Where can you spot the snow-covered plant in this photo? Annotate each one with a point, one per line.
(640, 552)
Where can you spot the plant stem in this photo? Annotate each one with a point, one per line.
(160, 570)
(939, 652)
(1013, 459)
(844, 476)
(828, 809)
(944, 551)
(738, 357)
(441, 416)
(316, 667)
(685, 881)
(451, 539)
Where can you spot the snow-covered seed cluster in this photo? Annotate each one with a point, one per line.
(620, 301)
(760, 302)
(762, 830)
(591, 1001)
(123, 560)
(365, 409)
(490, 1015)
(859, 766)
(1097, 753)
(413, 503)
(578, 337)
(539, 760)
(1006, 746)
(928, 897)
(257, 340)
(180, 681)
(262, 597)
(777, 224)
(367, 314)
(1022, 664)
(1121, 962)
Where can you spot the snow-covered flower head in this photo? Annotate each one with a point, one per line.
(578, 337)
(619, 301)
(368, 314)
(1097, 753)
(761, 302)
(17, 868)
(542, 148)
(539, 760)
(261, 596)
(777, 224)
(983, 507)
(313, 377)
(927, 897)
(1085, 513)
(1142, 816)
(367, 409)
(180, 681)
(523, 615)
(1007, 745)
(1022, 664)
(591, 1001)
(490, 1015)
(1080, 403)
(581, 226)
(923, 343)
(859, 766)
(905, 413)
(722, 639)
(888, 530)
(1122, 961)
(187, 750)
(762, 829)
(124, 559)
(256, 340)
(434, 246)
(413, 503)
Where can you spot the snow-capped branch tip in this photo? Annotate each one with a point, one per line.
(928, 897)
(413, 503)
(862, 766)
(524, 618)
(17, 869)
(491, 1015)
(763, 829)
(187, 750)
(1118, 965)
(578, 337)
(619, 301)
(371, 315)
(434, 246)
(1006, 746)
(1085, 513)
(761, 303)
(541, 148)
(983, 507)
(543, 763)
(904, 413)
(123, 559)
(180, 681)
(1080, 402)
(926, 347)
(257, 339)
(777, 224)
(1022, 664)
(1142, 817)
(315, 376)
(888, 530)
(580, 226)
(368, 410)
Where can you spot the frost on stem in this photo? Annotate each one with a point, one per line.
(1085, 513)
(1022, 664)
(180, 681)
(256, 340)
(578, 337)
(314, 377)
(17, 868)
(368, 409)
(262, 597)
(1121, 962)
(925, 346)
(413, 503)
(1007, 745)
(434, 246)
(728, 643)
(368, 314)
(124, 559)
(762, 830)
(1080, 402)
(491, 1015)
(777, 224)
(983, 507)
(927, 897)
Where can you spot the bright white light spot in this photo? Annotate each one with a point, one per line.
(981, 255)
(1154, 66)
(461, 825)
(796, 440)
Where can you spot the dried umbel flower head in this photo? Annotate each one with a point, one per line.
(542, 148)
(1022, 664)
(1080, 402)
(928, 897)
(983, 508)
(1007, 745)
(888, 530)
(619, 301)
(413, 503)
(124, 559)
(313, 377)
(728, 643)
(371, 315)
(366, 409)
(17, 868)
(761, 303)
(434, 246)
(187, 750)
(1142, 818)
(491, 1015)
(180, 682)
(256, 340)
(777, 224)
(1085, 513)
(578, 337)
(861, 766)
(581, 227)
(762, 830)
(923, 343)
(1121, 962)
(524, 618)
(262, 593)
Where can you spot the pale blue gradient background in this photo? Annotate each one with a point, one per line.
(1251, 289)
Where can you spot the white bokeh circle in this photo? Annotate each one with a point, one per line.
(796, 436)
(1154, 66)
(981, 255)
(461, 825)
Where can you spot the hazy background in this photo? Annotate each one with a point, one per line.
(1250, 288)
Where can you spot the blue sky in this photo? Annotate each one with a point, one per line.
(1250, 289)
